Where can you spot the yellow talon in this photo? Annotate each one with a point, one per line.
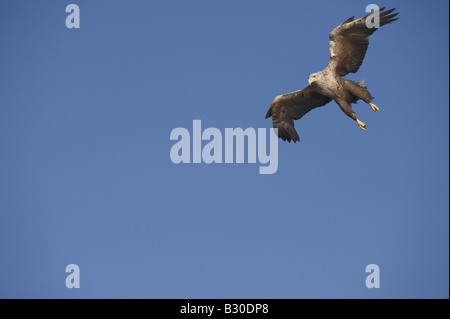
(361, 125)
(374, 107)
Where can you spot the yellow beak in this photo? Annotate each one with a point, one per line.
(310, 81)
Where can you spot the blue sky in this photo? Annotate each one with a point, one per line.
(86, 177)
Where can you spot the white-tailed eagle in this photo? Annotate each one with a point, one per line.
(348, 46)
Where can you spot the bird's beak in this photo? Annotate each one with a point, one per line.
(310, 81)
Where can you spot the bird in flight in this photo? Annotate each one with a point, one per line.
(348, 46)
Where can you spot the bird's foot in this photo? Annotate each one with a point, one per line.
(361, 125)
(374, 107)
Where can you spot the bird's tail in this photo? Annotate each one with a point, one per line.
(358, 91)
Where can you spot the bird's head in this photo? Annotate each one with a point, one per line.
(312, 78)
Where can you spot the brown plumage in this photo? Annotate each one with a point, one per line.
(348, 47)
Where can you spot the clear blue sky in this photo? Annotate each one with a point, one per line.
(86, 177)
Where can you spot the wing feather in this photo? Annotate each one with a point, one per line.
(350, 40)
(293, 106)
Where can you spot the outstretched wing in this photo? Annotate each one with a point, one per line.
(292, 106)
(350, 40)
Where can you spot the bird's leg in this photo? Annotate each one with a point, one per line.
(347, 109)
(361, 124)
(374, 107)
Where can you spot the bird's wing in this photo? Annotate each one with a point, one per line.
(292, 106)
(350, 40)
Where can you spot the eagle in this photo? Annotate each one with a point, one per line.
(348, 47)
